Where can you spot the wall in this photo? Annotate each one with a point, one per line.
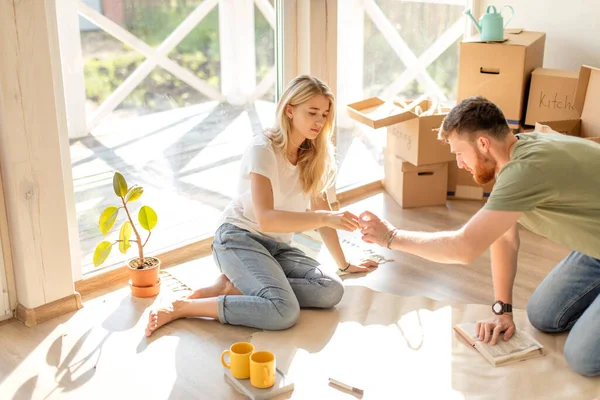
(34, 153)
(571, 28)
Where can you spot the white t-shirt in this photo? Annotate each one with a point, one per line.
(261, 158)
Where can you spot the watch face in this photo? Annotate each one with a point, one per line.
(497, 307)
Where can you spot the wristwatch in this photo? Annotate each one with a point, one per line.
(500, 307)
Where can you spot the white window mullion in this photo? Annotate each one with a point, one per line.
(237, 47)
(351, 45)
(72, 67)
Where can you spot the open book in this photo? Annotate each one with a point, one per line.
(518, 348)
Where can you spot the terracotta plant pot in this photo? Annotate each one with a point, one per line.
(146, 278)
(144, 292)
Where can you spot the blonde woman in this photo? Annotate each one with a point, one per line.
(264, 280)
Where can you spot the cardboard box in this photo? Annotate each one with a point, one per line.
(565, 127)
(415, 139)
(412, 186)
(462, 186)
(551, 95)
(501, 72)
(375, 112)
(546, 129)
(587, 103)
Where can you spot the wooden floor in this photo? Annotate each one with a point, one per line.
(100, 351)
(413, 276)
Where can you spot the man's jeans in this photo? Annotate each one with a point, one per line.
(569, 298)
(275, 280)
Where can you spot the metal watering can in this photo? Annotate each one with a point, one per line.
(491, 24)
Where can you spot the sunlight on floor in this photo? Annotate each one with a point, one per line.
(409, 358)
(95, 346)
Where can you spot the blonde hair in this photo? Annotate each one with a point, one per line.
(315, 157)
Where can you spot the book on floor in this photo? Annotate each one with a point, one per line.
(283, 384)
(521, 346)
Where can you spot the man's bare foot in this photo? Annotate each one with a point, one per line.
(163, 315)
(221, 286)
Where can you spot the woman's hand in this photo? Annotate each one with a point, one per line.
(364, 266)
(343, 220)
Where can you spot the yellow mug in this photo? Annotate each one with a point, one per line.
(239, 359)
(262, 369)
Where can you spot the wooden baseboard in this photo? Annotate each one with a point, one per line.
(102, 279)
(119, 275)
(186, 253)
(33, 316)
(358, 193)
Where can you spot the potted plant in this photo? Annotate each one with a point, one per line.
(143, 271)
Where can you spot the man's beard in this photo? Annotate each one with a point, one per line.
(485, 170)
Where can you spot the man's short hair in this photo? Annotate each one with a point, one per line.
(472, 117)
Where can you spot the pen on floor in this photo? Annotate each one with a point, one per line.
(345, 386)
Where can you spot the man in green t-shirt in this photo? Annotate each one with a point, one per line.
(549, 183)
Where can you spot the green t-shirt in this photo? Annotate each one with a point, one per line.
(555, 181)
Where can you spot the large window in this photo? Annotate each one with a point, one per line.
(391, 48)
(174, 91)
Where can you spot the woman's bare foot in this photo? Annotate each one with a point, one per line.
(201, 303)
(163, 315)
(221, 286)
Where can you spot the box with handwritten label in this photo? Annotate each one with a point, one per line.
(415, 161)
(412, 126)
(552, 96)
(415, 138)
(587, 103)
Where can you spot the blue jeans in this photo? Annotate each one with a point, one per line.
(275, 279)
(569, 299)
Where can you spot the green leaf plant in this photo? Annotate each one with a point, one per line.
(146, 216)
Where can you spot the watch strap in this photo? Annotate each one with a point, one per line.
(505, 308)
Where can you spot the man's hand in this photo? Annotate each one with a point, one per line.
(492, 328)
(373, 228)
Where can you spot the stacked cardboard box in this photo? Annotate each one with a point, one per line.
(551, 96)
(415, 162)
(462, 186)
(587, 104)
(421, 171)
(501, 71)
